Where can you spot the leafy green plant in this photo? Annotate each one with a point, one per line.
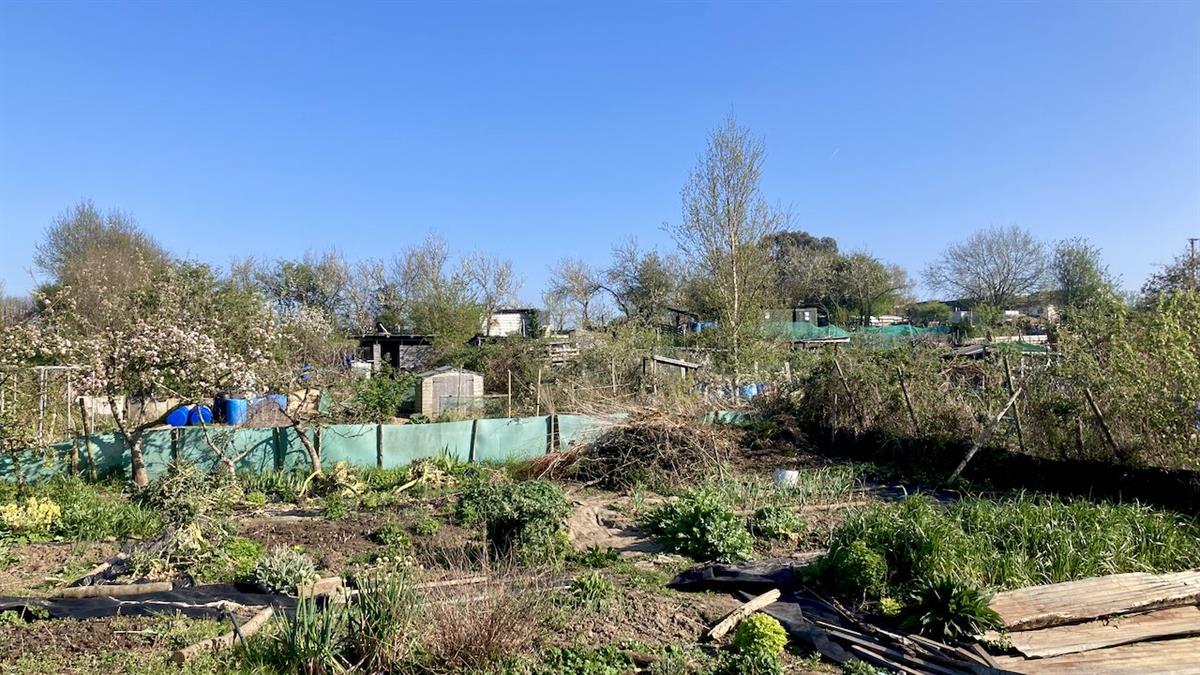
(702, 526)
(31, 518)
(186, 495)
(860, 667)
(950, 610)
(592, 590)
(94, 511)
(255, 499)
(384, 620)
(312, 641)
(855, 569)
(283, 570)
(238, 557)
(381, 396)
(334, 507)
(283, 486)
(524, 518)
(777, 523)
(606, 660)
(427, 526)
(760, 635)
(748, 664)
(594, 556)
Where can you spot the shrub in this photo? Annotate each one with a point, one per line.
(283, 486)
(91, 512)
(748, 664)
(523, 518)
(392, 535)
(949, 610)
(256, 499)
(702, 526)
(33, 518)
(283, 570)
(313, 641)
(593, 591)
(243, 554)
(380, 397)
(855, 569)
(334, 507)
(760, 635)
(384, 618)
(778, 523)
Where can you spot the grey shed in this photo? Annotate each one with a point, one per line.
(446, 388)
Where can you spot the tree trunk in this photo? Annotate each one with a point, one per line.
(314, 455)
(137, 463)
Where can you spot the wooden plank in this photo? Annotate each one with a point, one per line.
(731, 619)
(1118, 630)
(1096, 597)
(1179, 657)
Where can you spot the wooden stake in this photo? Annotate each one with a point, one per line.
(612, 371)
(1016, 408)
(87, 439)
(1108, 437)
(982, 438)
(538, 404)
(862, 420)
(227, 640)
(731, 619)
(912, 414)
(510, 392)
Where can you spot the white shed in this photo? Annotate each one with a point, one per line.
(447, 388)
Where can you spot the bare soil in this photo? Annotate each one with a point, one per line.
(49, 565)
(332, 543)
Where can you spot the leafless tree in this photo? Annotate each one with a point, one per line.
(642, 283)
(993, 266)
(492, 282)
(575, 283)
(725, 222)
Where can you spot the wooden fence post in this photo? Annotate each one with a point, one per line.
(982, 438)
(1016, 408)
(912, 414)
(379, 446)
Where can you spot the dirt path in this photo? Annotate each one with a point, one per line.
(593, 523)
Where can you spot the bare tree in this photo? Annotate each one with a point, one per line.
(1182, 273)
(725, 222)
(574, 282)
(994, 266)
(492, 282)
(641, 283)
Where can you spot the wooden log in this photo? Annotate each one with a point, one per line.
(224, 641)
(452, 582)
(113, 590)
(731, 619)
(326, 586)
(982, 438)
(1108, 437)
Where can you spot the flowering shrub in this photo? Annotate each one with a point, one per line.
(35, 516)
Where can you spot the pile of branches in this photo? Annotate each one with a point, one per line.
(648, 447)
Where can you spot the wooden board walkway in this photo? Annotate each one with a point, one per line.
(1178, 657)
(1110, 632)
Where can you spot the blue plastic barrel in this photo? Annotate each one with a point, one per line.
(199, 414)
(236, 410)
(178, 417)
(760, 388)
(280, 400)
(749, 391)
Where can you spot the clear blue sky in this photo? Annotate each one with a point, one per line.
(539, 130)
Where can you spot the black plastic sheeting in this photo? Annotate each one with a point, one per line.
(195, 602)
(796, 608)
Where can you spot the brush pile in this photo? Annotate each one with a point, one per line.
(649, 447)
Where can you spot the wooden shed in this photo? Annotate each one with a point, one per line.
(446, 388)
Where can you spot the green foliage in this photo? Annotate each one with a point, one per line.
(383, 395)
(860, 667)
(384, 618)
(282, 486)
(592, 590)
(91, 512)
(313, 641)
(950, 610)
(255, 499)
(749, 664)
(1010, 543)
(427, 526)
(606, 660)
(392, 535)
(283, 570)
(233, 561)
(778, 523)
(760, 635)
(594, 556)
(703, 526)
(334, 507)
(524, 518)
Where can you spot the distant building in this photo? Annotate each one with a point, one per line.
(792, 315)
(887, 320)
(1047, 313)
(508, 321)
(402, 352)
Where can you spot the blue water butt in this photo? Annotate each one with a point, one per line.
(236, 410)
(749, 391)
(279, 399)
(200, 414)
(178, 417)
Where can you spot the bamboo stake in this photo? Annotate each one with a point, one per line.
(912, 414)
(982, 438)
(1016, 408)
(1108, 437)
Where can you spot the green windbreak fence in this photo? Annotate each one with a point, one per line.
(379, 445)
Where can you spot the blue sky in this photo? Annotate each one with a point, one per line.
(539, 130)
